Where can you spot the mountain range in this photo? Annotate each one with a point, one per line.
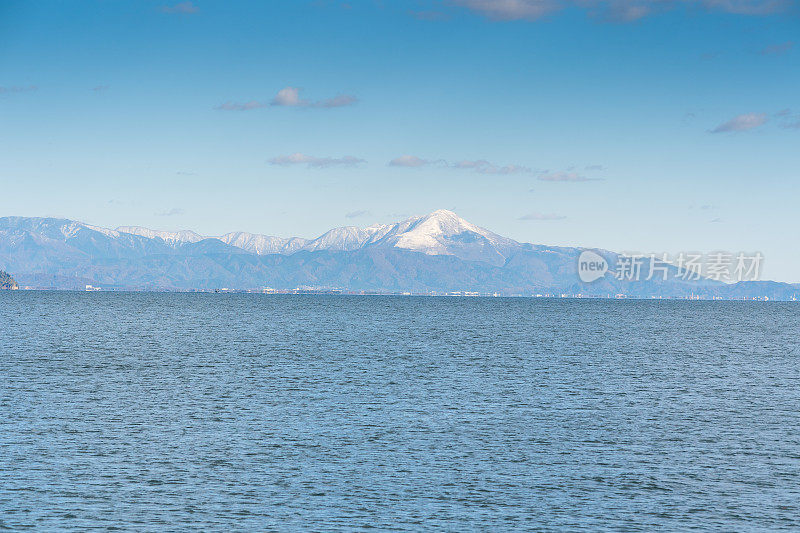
(439, 233)
(439, 252)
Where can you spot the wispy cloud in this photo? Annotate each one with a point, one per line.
(18, 89)
(745, 122)
(340, 100)
(621, 11)
(613, 10)
(485, 167)
(356, 214)
(290, 97)
(564, 176)
(182, 8)
(316, 162)
(788, 119)
(542, 216)
(745, 7)
(482, 166)
(777, 49)
(511, 9)
(170, 213)
(412, 161)
(244, 106)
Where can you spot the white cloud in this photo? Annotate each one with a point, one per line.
(745, 122)
(511, 9)
(182, 8)
(409, 161)
(356, 214)
(480, 166)
(290, 97)
(316, 162)
(542, 216)
(621, 10)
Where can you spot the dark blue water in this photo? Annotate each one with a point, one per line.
(239, 412)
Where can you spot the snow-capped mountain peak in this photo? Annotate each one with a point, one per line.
(430, 233)
(445, 233)
(263, 244)
(169, 237)
(346, 238)
(441, 232)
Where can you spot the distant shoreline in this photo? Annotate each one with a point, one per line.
(402, 294)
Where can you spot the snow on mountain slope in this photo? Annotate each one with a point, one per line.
(105, 231)
(445, 233)
(52, 228)
(263, 244)
(169, 237)
(294, 244)
(439, 233)
(346, 238)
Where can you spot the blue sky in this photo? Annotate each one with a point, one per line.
(652, 126)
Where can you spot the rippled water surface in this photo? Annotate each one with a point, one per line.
(238, 412)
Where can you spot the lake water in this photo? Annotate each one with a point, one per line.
(259, 412)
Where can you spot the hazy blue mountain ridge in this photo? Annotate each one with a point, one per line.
(439, 252)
